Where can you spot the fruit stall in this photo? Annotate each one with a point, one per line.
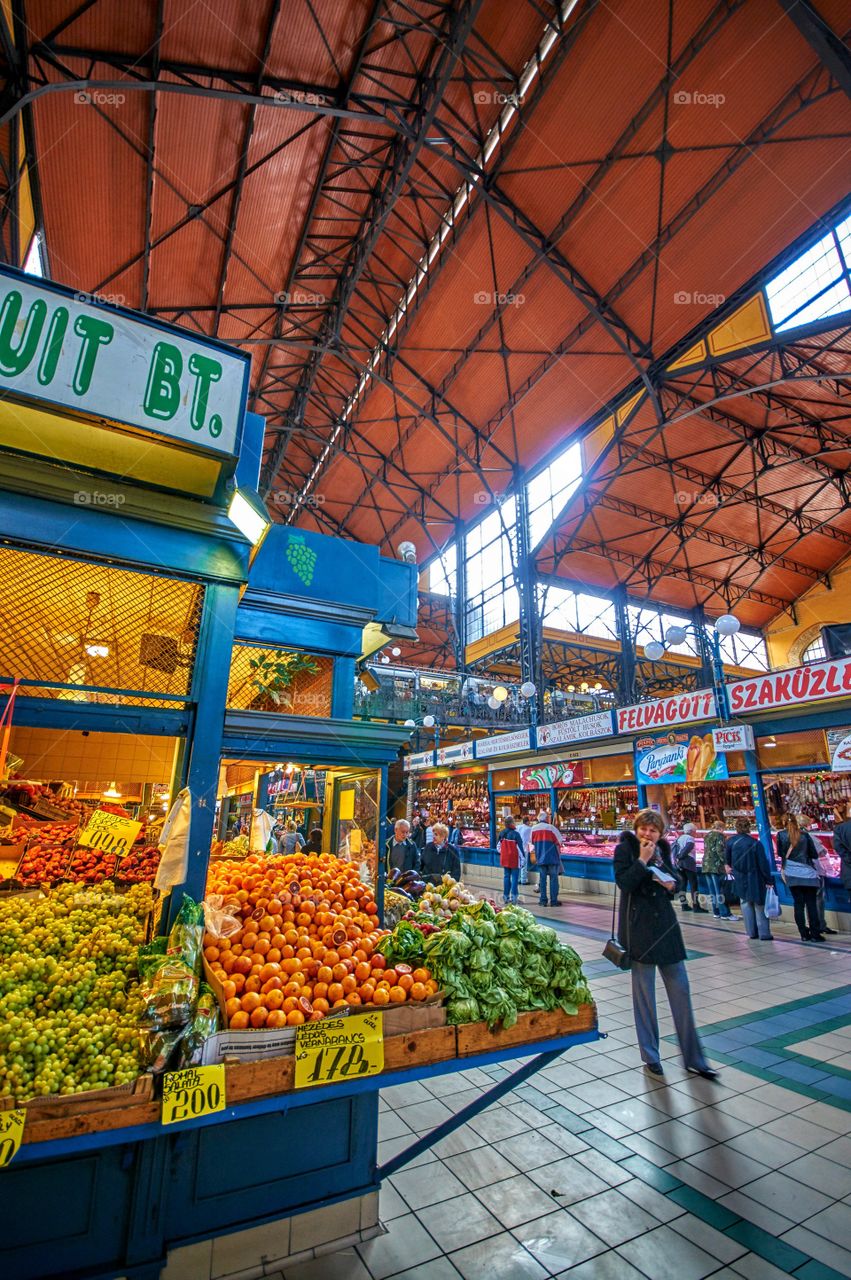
(150, 596)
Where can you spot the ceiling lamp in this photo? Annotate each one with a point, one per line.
(428, 722)
(527, 689)
(571, 688)
(97, 650)
(410, 724)
(396, 651)
(493, 704)
(727, 625)
(770, 742)
(583, 688)
(597, 687)
(248, 512)
(675, 635)
(654, 650)
(500, 693)
(111, 793)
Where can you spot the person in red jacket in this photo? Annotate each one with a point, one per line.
(510, 854)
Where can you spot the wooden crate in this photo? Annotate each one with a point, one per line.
(475, 1037)
(136, 1094)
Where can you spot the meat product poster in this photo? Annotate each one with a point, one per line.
(839, 747)
(678, 756)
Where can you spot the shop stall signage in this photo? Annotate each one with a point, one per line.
(839, 749)
(11, 1132)
(679, 709)
(339, 1049)
(678, 756)
(563, 773)
(520, 740)
(458, 751)
(579, 729)
(787, 688)
(195, 1092)
(733, 737)
(91, 359)
(110, 832)
(419, 760)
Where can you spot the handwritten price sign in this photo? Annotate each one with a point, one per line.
(11, 1131)
(198, 1091)
(339, 1049)
(110, 832)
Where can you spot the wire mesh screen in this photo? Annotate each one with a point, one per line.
(87, 632)
(272, 679)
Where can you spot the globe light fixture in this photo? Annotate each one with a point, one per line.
(410, 724)
(654, 650)
(428, 722)
(500, 693)
(597, 687)
(397, 652)
(493, 703)
(583, 688)
(675, 635)
(727, 625)
(527, 689)
(571, 688)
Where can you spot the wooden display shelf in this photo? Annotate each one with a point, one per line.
(59, 1118)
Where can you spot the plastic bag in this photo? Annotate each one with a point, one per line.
(205, 1023)
(187, 934)
(174, 843)
(158, 1046)
(219, 920)
(772, 904)
(262, 825)
(169, 994)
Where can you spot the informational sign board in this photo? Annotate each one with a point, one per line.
(503, 744)
(839, 749)
(334, 1050)
(678, 756)
(733, 737)
(456, 752)
(419, 760)
(682, 708)
(89, 358)
(812, 683)
(110, 832)
(579, 729)
(562, 773)
(347, 805)
(197, 1091)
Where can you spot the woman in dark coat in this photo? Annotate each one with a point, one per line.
(750, 866)
(650, 934)
(440, 858)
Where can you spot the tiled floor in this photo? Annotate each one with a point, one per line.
(595, 1171)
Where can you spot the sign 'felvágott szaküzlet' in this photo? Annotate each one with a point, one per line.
(679, 709)
(99, 362)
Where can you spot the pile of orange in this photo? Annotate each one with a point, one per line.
(307, 942)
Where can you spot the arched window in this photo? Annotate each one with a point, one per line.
(814, 652)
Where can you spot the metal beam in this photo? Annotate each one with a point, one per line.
(822, 39)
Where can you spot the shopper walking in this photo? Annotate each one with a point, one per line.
(525, 833)
(440, 858)
(455, 836)
(821, 852)
(292, 840)
(797, 855)
(685, 861)
(650, 934)
(753, 874)
(842, 844)
(418, 833)
(402, 851)
(509, 845)
(546, 849)
(714, 868)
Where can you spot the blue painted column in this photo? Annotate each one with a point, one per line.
(491, 811)
(760, 807)
(343, 689)
(382, 835)
(209, 696)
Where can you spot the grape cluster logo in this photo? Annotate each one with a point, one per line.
(302, 559)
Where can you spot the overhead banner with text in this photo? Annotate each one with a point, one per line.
(678, 756)
(563, 773)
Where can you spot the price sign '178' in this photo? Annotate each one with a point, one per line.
(339, 1049)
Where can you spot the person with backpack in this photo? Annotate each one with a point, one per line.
(797, 858)
(509, 844)
(686, 864)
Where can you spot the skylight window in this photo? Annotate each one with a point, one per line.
(816, 285)
(34, 262)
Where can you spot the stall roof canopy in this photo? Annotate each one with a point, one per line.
(452, 234)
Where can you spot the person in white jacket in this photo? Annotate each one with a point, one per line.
(525, 833)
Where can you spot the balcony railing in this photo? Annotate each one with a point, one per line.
(451, 708)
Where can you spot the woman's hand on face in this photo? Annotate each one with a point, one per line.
(648, 849)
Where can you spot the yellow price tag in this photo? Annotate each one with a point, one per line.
(11, 1132)
(338, 1049)
(347, 806)
(355, 840)
(8, 867)
(197, 1091)
(110, 832)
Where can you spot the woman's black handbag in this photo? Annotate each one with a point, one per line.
(728, 892)
(613, 951)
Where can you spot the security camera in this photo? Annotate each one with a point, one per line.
(407, 551)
